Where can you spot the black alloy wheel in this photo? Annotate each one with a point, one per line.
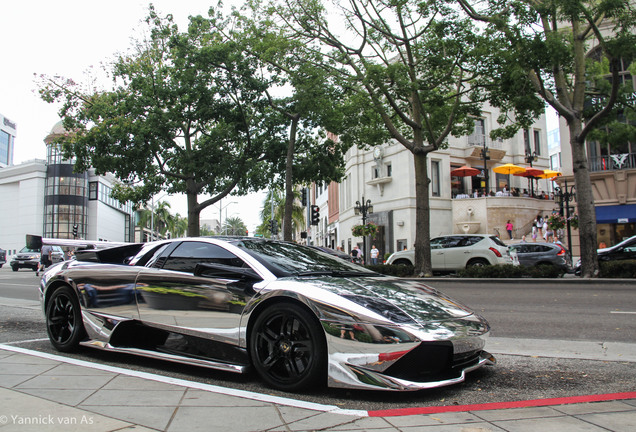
(64, 320)
(288, 348)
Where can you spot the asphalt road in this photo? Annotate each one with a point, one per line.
(521, 310)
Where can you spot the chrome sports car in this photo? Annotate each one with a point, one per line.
(296, 315)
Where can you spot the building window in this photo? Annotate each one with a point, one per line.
(92, 191)
(537, 142)
(389, 170)
(478, 136)
(526, 142)
(435, 186)
(376, 172)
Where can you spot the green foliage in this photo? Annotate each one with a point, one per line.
(188, 114)
(624, 269)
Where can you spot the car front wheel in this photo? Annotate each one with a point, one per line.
(288, 348)
(64, 320)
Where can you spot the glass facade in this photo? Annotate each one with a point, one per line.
(65, 197)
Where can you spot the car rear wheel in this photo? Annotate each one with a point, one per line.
(477, 262)
(64, 320)
(288, 348)
(402, 262)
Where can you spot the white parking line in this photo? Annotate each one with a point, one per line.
(623, 312)
(192, 384)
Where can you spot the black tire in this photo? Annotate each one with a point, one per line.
(64, 320)
(477, 262)
(402, 262)
(15, 268)
(288, 348)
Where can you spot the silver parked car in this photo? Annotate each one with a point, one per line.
(536, 254)
(30, 258)
(299, 317)
(458, 251)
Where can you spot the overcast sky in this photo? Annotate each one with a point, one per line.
(67, 38)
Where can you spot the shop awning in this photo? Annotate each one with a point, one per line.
(616, 213)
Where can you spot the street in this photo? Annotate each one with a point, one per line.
(529, 310)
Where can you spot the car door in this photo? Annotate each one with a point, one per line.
(459, 251)
(437, 253)
(174, 293)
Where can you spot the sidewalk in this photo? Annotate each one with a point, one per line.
(44, 392)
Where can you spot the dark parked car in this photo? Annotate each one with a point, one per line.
(299, 317)
(536, 254)
(30, 258)
(622, 251)
(3, 257)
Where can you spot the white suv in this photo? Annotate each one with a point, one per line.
(458, 251)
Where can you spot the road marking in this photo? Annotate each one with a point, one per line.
(191, 384)
(27, 341)
(623, 312)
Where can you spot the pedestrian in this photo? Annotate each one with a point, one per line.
(46, 255)
(534, 230)
(539, 223)
(523, 238)
(356, 254)
(373, 253)
(509, 228)
(545, 229)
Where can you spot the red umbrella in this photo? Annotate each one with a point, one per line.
(530, 172)
(465, 171)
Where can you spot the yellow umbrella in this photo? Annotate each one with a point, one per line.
(548, 174)
(508, 169)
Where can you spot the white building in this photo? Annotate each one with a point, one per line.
(385, 176)
(48, 198)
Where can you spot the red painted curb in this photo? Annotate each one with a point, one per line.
(502, 405)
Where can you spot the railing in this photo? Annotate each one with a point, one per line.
(494, 192)
(613, 162)
(479, 140)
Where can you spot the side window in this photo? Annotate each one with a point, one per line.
(437, 243)
(452, 242)
(188, 254)
(469, 241)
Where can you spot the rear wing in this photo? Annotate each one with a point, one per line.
(36, 242)
(90, 251)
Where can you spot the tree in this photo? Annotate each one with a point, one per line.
(277, 200)
(312, 103)
(413, 65)
(187, 114)
(234, 226)
(555, 53)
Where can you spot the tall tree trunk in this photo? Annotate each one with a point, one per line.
(193, 215)
(289, 180)
(422, 217)
(584, 203)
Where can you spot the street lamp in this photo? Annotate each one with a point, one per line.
(363, 209)
(221, 215)
(485, 154)
(531, 157)
(563, 198)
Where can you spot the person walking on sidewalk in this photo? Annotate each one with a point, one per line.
(46, 255)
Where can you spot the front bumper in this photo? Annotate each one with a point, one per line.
(25, 263)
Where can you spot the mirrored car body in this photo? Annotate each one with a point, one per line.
(297, 316)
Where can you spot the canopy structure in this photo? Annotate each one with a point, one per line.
(465, 171)
(508, 169)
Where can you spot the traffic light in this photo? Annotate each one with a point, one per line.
(75, 230)
(273, 226)
(315, 215)
(303, 197)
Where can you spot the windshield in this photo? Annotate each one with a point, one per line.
(289, 259)
(29, 250)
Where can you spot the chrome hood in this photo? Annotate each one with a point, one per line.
(403, 302)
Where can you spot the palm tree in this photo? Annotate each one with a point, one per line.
(234, 226)
(275, 194)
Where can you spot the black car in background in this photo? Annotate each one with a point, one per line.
(536, 254)
(3, 257)
(622, 251)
